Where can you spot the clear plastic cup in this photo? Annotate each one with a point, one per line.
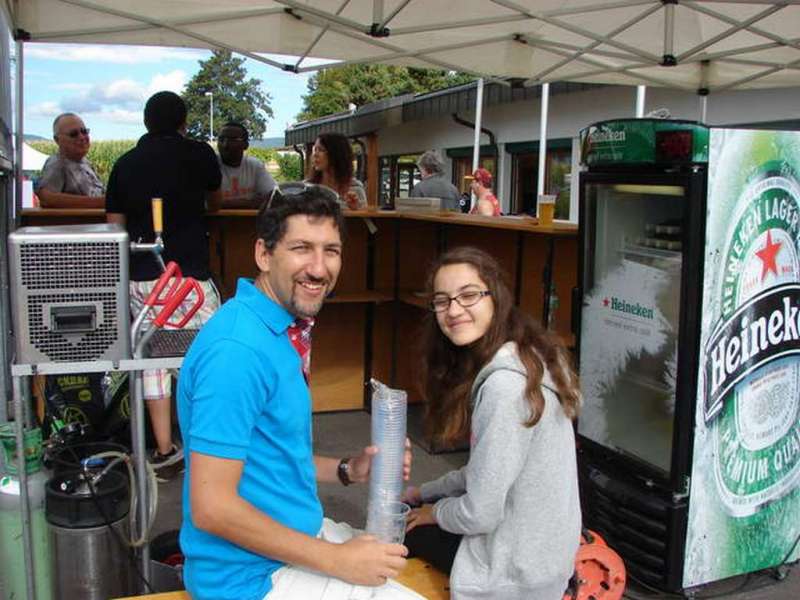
(388, 521)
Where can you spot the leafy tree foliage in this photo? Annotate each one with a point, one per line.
(236, 98)
(290, 167)
(332, 90)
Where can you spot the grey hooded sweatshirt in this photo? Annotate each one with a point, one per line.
(516, 500)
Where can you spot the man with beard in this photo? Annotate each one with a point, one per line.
(253, 527)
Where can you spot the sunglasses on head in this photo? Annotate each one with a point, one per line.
(296, 189)
(76, 132)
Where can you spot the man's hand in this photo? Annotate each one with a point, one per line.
(412, 496)
(360, 465)
(363, 560)
(420, 516)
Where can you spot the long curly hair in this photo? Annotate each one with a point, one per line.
(340, 161)
(449, 371)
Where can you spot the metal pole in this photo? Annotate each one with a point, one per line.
(543, 137)
(641, 92)
(139, 460)
(703, 108)
(476, 145)
(19, 134)
(377, 12)
(24, 499)
(210, 116)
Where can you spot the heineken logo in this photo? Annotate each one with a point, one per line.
(631, 308)
(750, 365)
(761, 330)
(599, 137)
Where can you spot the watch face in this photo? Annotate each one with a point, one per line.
(344, 471)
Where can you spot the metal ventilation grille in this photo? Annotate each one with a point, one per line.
(58, 347)
(70, 265)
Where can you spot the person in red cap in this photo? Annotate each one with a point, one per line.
(487, 203)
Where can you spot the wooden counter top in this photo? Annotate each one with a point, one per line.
(514, 223)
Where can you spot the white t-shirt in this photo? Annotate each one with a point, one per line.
(247, 180)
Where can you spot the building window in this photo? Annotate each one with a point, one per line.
(463, 166)
(398, 174)
(525, 177)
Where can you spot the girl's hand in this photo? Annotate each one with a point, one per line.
(420, 516)
(412, 496)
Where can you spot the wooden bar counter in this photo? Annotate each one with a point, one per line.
(369, 327)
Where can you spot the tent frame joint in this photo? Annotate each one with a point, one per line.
(290, 11)
(21, 35)
(669, 60)
(377, 31)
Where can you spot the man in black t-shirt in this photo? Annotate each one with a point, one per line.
(186, 175)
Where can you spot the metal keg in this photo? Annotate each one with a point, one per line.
(88, 530)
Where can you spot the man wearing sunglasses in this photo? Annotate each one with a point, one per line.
(245, 181)
(68, 180)
(253, 527)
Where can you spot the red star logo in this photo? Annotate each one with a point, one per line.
(767, 255)
(605, 302)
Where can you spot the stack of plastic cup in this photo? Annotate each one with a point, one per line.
(386, 474)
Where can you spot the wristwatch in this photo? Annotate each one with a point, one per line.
(343, 471)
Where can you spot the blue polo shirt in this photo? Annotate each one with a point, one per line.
(242, 396)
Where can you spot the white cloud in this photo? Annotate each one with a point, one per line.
(111, 54)
(125, 95)
(127, 117)
(44, 109)
(70, 86)
(120, 101)
(174, 81)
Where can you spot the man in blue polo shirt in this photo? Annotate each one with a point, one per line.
(250, 503)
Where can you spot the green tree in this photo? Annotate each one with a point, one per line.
(290, 166)
(236, 98)
(332, 90)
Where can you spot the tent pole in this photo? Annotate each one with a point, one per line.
(703, 108)
(19, 133)
(641, 92)
(476, 145)
(543, 137)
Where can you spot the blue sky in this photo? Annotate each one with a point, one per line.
(108, 85)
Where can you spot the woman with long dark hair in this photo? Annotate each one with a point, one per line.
(332, 166)
(508, 522)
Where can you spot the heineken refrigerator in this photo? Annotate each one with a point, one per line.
(689, 347)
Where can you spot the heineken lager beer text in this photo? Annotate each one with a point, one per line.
(745, 508)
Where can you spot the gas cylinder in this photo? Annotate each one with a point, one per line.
(13, 579)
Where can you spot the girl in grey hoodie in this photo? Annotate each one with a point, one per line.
(494, 375)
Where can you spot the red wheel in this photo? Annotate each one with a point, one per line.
(600, 573)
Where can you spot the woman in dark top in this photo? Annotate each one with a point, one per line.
(332, 166)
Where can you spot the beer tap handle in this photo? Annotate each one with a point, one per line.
(158, 216)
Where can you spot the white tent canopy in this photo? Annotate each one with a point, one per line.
(32, 159)
(701, 45)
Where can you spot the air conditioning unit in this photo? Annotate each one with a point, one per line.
(69, 293)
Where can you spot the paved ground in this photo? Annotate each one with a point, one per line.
(340, 434)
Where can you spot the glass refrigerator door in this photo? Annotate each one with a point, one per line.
(630, 317)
